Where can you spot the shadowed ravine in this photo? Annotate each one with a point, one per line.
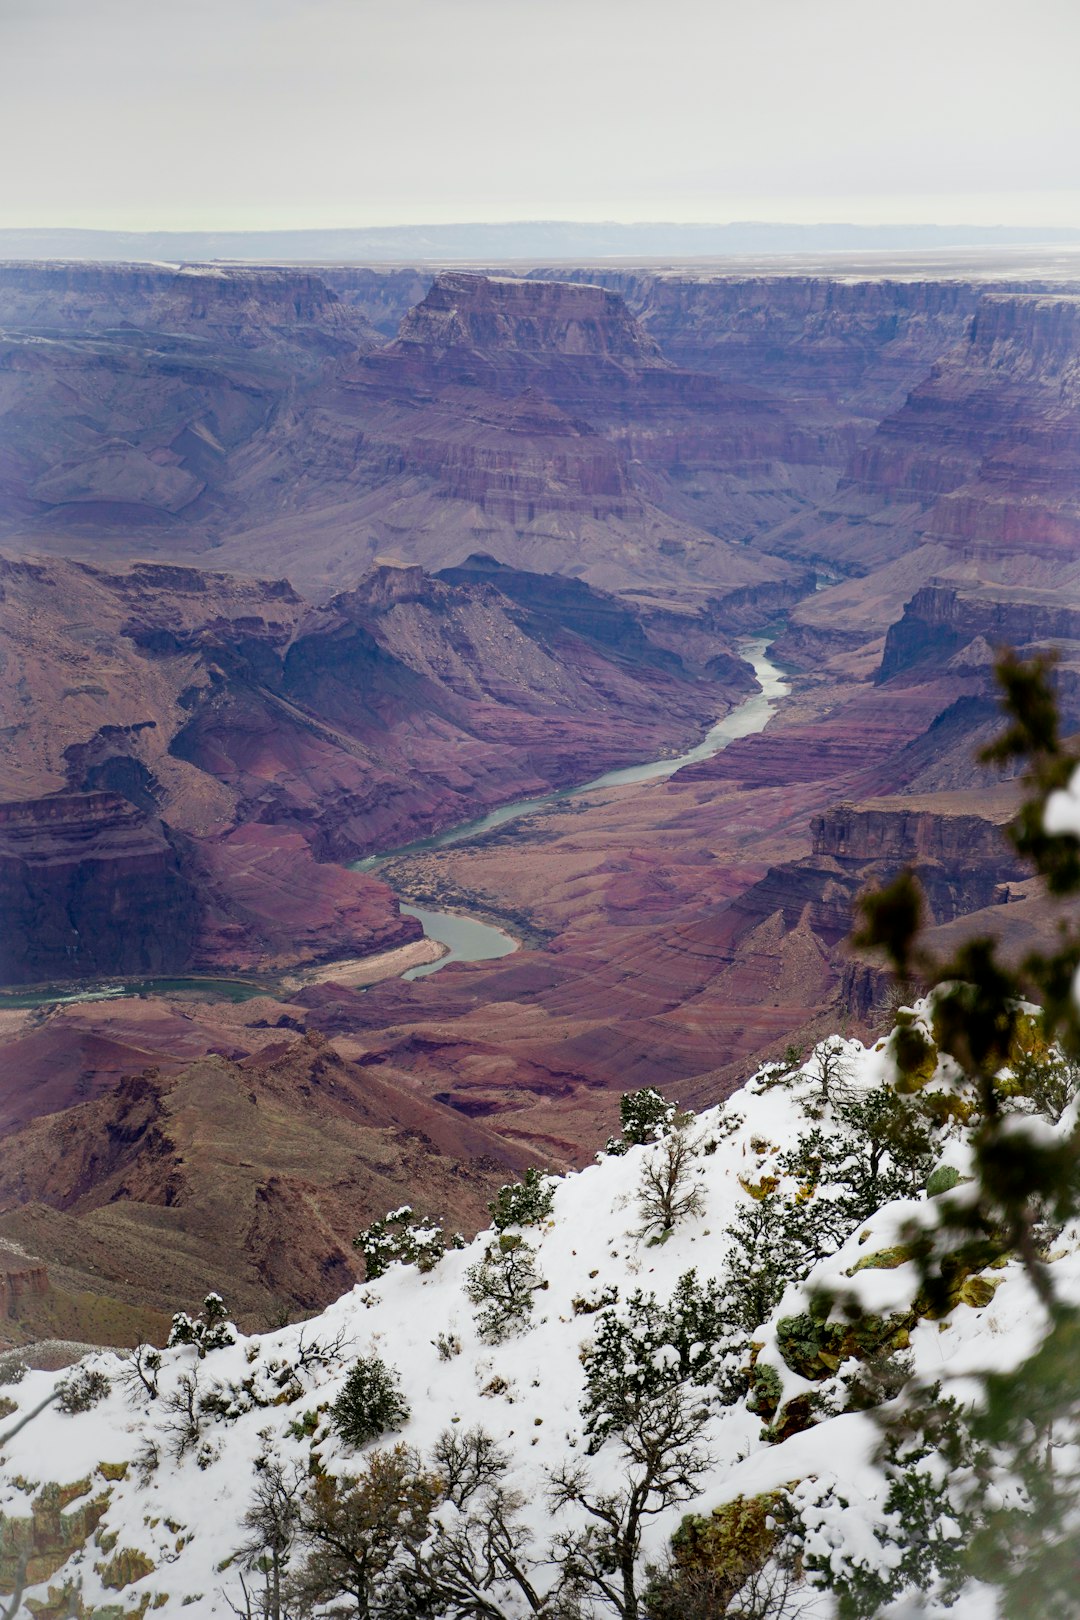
(468, 939)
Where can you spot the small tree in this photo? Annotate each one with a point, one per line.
(502, 1286)
(82, 1389)
(370, 1404)
(925, 1534)
(881, 1146)
(663, 1462)
(645, 1348)
(183, 1407)
(405, 1237)
(364, 1538)
(667, 1194)
(774, 1241)
(142, 1370)
(480, 1561)
(1043, 1083)
(831, 1071)
(643, 1114)
(210, 1330)
(272, 1522)
(523, 1203)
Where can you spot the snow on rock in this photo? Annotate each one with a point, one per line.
(178, 1524)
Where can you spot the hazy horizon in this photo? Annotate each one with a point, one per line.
(208, 115)
(908, 252)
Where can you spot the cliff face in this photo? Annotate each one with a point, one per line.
(537, 418)
(519, 458)
(240, 306)
(223, 738)
(512, 316)
(395, 672)
(949, 627)
(861, 833)
(981, 456)
(861, 342)
(962, 862)
(90, 885)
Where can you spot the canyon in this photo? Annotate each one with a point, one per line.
(303, 566)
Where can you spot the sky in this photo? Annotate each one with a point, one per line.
(277, 114)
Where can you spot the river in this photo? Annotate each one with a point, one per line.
(467, 938)
(470, 940)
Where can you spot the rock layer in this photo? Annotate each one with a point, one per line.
(211, 741)
(90, 885)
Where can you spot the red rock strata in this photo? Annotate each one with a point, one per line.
(253, 1177)
(237, 737)
(86, 882)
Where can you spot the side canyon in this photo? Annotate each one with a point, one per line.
(302, 566)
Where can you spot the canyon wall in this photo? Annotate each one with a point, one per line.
(864, 343)
(941, 622)
(245, 306)
(90, 885)
(980, 458)
(962, 862)
(211, 748)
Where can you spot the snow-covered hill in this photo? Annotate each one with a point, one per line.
(137, 1504)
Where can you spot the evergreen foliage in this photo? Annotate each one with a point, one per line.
(774, 1241)
(644, 1115)
(1026, 1186)
(364, 1536)
(370, 1404)
(523, 1203)
(647, 1347)
(405, 1237)
(82, 1389)
(210, 1330)
(879, 1146)
(502, 1286)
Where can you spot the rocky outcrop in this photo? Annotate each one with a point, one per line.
(945, 626)
(237, 305)
(557, 605)
(550, 408)
(355, 712)
(21, 1285)
(639, 430)
(223, 737)
(538, 419)
(511, 316)
(861, 342)
(867, 832)
(961, 861)
(91, 885)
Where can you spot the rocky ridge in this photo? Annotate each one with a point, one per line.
(223, 737)
(786, 1432)
(258, 1172)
